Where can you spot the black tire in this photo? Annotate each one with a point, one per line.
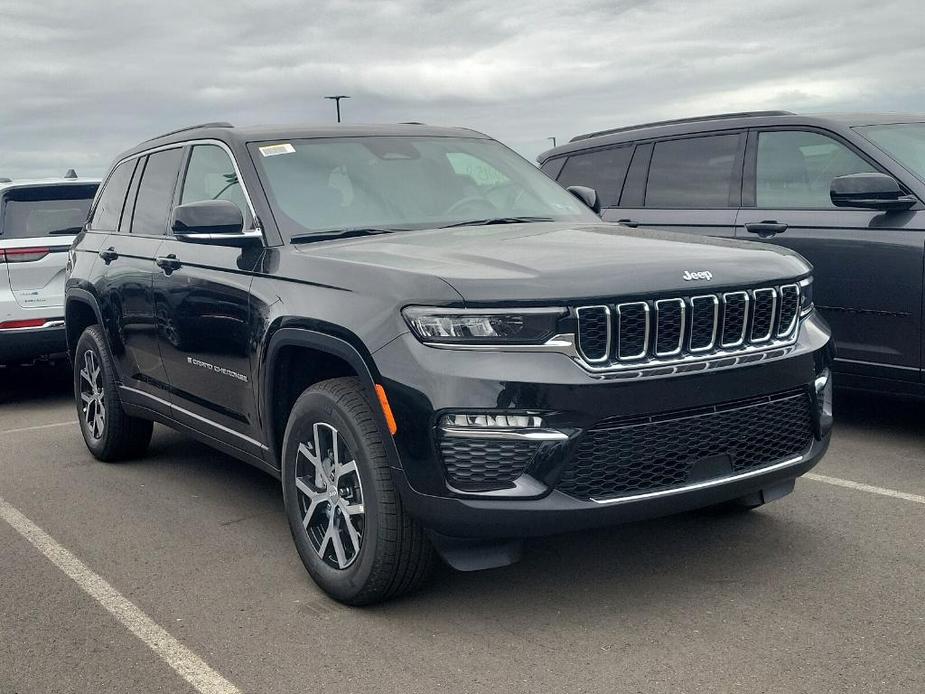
(394, 556)
(120, 436)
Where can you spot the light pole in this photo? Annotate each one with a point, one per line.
(553, 139)
(336, 100)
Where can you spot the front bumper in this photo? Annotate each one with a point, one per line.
(424, 383)
(25, 344)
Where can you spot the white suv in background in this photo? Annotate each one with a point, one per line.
(38, 222)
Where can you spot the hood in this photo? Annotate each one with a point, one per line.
(556, 261)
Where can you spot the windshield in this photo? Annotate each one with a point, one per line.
(45, 210)
(398, 183)
(905, 142)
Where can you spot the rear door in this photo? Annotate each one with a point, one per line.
(688, 184)
(867, 264)
(37, 227)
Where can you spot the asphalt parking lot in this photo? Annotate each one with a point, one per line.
(823, 591)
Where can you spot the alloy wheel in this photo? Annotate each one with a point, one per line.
(330, 497)
(93, 404)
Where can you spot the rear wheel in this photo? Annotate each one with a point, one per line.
(346, 517)
(108, 431)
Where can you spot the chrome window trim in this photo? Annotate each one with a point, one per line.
(770, 333)
(796, 314)
(709, 297)
(609, 321)
(193, 143)
(741, 340)
(682, 327)
(645, 339)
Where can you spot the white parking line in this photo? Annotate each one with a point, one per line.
(865, 488)
(39, 426)
(186, 663)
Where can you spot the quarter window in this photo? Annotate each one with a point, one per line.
(603, 170)
(112, 198)
(695, 172)
(155, 193)
(211, 175)
(796, 168)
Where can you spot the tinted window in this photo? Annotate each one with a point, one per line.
(697, 172)
(45, 210)
(112, 198)
(552, 167)
(210, 175)
(603, 170)
(795, 169)
(155, 193)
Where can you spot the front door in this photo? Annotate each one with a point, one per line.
(867, 264)
(202, 313)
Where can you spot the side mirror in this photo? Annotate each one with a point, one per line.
(870, 191)
(214, 222)
(588, 196)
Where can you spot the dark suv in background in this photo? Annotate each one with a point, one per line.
(433, 345)
(845, 191)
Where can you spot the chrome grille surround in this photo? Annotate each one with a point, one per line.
(583, 349)
(775, 305)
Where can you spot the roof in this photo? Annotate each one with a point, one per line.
(33, 182)
(727, 121)
(261, 133)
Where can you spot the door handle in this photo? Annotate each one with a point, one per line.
(628, 223)
(766, 229)
(168, 263)
(108, 255)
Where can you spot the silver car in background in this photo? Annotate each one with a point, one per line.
(38, 222)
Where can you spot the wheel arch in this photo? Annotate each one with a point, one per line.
(284, 380)
(81, 310)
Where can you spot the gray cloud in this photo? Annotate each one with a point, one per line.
(80, 81)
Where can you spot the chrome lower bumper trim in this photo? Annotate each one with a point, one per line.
(706, 484)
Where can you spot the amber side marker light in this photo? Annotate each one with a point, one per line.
(386, 409)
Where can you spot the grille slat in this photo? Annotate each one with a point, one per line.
(677, 330)
(635, 458)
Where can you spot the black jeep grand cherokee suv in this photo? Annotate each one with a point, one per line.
(433, 345)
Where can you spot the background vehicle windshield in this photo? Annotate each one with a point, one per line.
(405, 183)
(905, 142)
(45, 210)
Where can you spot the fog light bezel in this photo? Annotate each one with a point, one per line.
(498, 425)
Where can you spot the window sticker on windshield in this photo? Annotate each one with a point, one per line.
(273, 150)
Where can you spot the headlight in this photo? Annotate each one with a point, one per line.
(489, 326)
(806, 297)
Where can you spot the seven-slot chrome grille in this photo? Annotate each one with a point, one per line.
(667, 330)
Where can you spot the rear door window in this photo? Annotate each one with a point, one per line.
(697, 172)
(603, 169)
(155, 193)
(108, 210)
(37, 211)
(795, 169)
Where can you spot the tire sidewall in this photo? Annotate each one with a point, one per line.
(91, 340)
(319, 406)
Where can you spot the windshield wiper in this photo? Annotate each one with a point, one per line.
(497, 220)
(327, 235)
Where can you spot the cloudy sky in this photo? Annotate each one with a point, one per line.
(82, 80)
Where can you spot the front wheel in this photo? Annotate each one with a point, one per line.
(346, 517)
(108, 431)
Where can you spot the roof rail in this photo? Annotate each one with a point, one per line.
(215, 124)
(678, 121)
(6, 180)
